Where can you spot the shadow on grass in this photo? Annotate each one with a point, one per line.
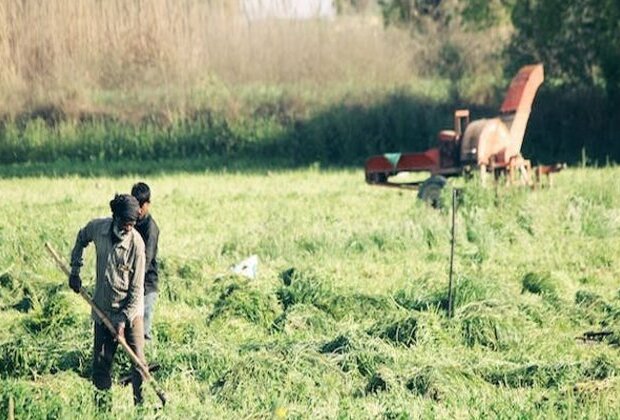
(98, 168)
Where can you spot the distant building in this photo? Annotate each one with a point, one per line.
(288, 9)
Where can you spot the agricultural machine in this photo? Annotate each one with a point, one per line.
(489, 145)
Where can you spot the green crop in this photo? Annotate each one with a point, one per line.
(347, 316)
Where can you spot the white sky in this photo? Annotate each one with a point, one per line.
(291, 9)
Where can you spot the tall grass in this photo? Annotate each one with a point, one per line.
(164, 79)
(128, 56)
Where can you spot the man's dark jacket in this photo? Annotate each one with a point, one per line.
(150, 234)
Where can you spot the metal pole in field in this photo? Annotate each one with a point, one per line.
(455, 192)
(11, 414)
(106, 321)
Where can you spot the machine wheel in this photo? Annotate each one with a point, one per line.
(376, 178)
(430, 190)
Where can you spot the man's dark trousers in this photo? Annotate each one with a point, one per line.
(103, 355)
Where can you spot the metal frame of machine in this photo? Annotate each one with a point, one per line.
(489, 145)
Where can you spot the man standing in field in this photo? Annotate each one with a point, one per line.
(149, 231)
(119, 289)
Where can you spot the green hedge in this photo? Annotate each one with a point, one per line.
(561, 126)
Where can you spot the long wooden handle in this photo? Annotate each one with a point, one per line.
(106, 321)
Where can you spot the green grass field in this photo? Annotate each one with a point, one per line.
(346, 318)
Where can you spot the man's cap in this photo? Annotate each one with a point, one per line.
(125, 208)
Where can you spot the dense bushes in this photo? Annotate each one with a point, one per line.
(345, 133)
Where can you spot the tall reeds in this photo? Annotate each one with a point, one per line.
(98, 55)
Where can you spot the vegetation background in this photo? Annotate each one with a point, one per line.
(102, 81)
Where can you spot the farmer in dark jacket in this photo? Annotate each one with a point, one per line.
(149, 231)
(119, 289)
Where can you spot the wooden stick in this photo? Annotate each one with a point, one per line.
(106, 321)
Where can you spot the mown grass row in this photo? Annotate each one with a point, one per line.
(305, 306)
(295, 341)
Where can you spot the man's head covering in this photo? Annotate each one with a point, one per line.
(125, 208)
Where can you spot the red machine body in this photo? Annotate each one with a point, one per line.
(489, 144)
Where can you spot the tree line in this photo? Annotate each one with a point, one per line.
(577, 41)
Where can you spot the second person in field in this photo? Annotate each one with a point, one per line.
(149, 231)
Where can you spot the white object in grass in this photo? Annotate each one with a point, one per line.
(247, 268)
